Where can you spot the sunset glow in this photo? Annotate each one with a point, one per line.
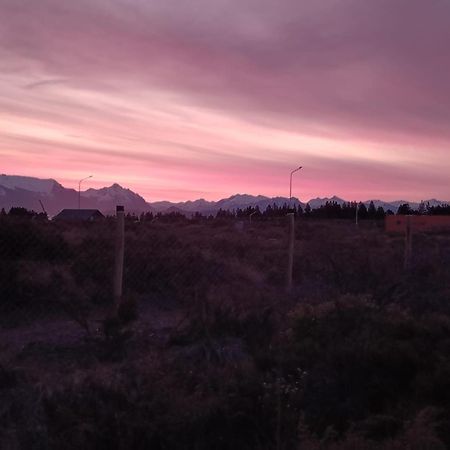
(182, 100)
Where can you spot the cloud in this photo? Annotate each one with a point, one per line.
(43, 83)
(359, 67)
(343, 70)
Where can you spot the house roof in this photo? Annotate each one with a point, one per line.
(79, 214)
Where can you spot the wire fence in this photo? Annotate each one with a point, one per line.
(56, 269)
(208, 347)
(49, 268)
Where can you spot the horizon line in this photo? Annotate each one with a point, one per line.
(325, 197)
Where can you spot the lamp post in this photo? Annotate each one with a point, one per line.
(79, 190)
(291, 237)
(290, 184)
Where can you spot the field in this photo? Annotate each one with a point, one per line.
(209, 350)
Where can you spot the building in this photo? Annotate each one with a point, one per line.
(79, 215)
(397, 224)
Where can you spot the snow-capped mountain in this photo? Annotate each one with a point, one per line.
(108, 197)
(318, 202)
(189, 206)
(15, 182)
(244, 201)
(237, 201)
(395, 204)
(27, 192)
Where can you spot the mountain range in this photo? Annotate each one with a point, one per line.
(28, 192)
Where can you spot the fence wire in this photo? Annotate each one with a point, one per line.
(52, 269)
(210, 350)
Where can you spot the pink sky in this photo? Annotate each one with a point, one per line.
(208, 98)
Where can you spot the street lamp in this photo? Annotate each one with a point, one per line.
(290, 184)
(79, 190)
(291, 217)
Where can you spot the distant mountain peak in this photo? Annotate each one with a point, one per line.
(37, 185)
(116, 194)
(318, 201)
(245, 196)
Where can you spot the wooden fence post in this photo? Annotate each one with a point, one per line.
(408, 242)
(290, 266)
(119, 255)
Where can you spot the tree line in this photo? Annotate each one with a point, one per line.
(329, 210)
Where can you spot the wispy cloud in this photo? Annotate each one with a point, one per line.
(347, 82)
(43, 83)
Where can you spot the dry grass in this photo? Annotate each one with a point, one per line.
(219, 356)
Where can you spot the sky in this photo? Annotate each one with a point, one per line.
(192, 99)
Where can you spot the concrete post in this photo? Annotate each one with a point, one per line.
(408, 242)
(119, 256)
(290, 266)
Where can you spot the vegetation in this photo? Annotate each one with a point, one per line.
(209, 351)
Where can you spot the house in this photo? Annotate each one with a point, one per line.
(79, 215)
(398, 223)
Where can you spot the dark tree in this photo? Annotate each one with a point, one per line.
(21, 212)
(380, 214)
(440, 210)
(307, 210)
(362, 211)
(405, 209)
(372, 211)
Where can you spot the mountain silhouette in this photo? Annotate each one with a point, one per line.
(28, 192)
